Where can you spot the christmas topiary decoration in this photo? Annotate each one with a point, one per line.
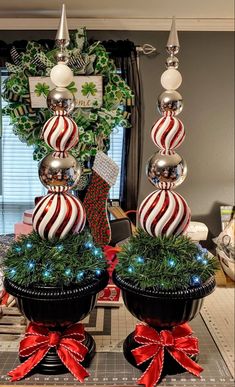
(32, 261)
(164, 263)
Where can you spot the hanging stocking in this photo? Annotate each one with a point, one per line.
(104, 175)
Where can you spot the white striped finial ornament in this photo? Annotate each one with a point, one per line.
(168, 132)
(58, 214)
(164, 212)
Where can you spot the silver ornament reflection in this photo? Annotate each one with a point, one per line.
(62, 56)
(166, 169)
(170, 101)
(172, 61)
(59, 174)
(61, 101)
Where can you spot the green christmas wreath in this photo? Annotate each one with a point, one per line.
(32, 260)
(95, 124)
(164, 262)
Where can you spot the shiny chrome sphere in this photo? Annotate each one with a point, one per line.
(61, 101)
(59, 174)
(170, 101)
(166, 169)
(172, 61)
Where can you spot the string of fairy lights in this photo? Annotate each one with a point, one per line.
(31, 264)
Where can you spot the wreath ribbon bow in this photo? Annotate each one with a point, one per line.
(178, 342)
(37, 342)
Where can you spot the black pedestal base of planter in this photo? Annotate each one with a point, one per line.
(52, 365)
(170, 367)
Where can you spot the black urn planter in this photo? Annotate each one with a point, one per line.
(161, 310)
(56, 308)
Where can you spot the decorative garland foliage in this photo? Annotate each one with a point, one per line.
(170, 263)
(33, 261)
(95, 124)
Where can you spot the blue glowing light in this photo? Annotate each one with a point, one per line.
(18, 249)
(31, 265)
(88, 245)
(80, 275)
(171, 262)
(68, 271)
(98, 272)
(199, 257)
(12, 272)
(59, 247)
(96, 251)
(205, 261)
(46, 274)
(29, 245)
(139, 259)
(196, 280)
(130, 269)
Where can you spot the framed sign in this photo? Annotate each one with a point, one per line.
(88, 91)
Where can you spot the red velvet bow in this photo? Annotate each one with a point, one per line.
(178, 342)
(37, 342)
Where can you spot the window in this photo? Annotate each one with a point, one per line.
(115, 153)
(19, 172)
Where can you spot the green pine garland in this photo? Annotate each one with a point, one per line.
(169, 263)
(33, 261)
(95, 124)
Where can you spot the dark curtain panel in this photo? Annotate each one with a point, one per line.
(125, 58)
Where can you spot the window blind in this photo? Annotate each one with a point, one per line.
(115, 153)
(19, 172)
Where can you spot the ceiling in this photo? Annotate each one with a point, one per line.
(145, 12)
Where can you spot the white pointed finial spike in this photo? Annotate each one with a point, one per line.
(62, 37)
(173, 45)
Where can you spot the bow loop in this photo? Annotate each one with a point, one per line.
(75, 331)
(144, 334)
(36, 329)
(182, 330)
(30, 345)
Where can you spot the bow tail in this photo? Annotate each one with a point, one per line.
(23, 369)
(153, 373)
(186, 362)
(70, 362)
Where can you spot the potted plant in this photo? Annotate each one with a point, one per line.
(163, 281)
(163, 275)
(56, 283)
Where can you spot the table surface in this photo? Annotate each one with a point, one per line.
(109, 327)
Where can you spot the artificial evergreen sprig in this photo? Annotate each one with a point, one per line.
(32, 261)
(169, 263)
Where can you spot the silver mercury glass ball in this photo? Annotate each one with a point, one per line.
(59, 174)
(173, 49)
(170, 101)
(62, 56)
(172, 61)
(166, 169)
(61, 101)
